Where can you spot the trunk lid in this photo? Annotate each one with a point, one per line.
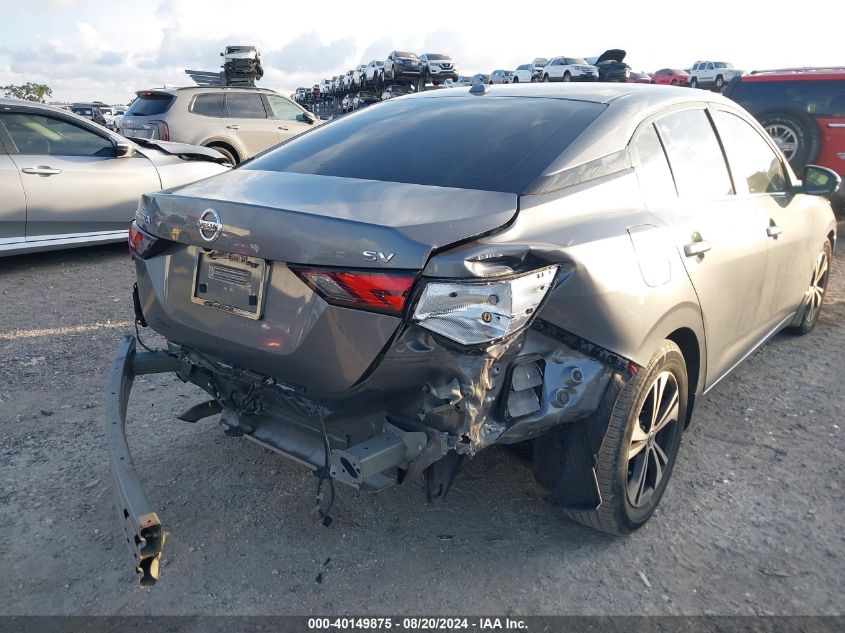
(327, 220)
(238, 298)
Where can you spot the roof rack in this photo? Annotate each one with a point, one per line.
(805, 69)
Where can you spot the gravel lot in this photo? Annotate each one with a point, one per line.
(751, 523)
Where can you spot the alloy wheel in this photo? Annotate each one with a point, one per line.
(785, 138)
(651, 439)
(818, 283)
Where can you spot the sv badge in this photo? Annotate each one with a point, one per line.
(377, 256)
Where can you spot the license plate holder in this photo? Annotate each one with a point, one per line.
(230, 282)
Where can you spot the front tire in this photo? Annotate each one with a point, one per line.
(720, 83)
(814, 297)
(567, 77)
(674, 82)
(641, 445)
(693, 83)
(545, 79)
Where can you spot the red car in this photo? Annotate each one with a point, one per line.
(803, 109)
(670, 77)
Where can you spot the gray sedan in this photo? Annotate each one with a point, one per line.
(66, 181)
(569, 268)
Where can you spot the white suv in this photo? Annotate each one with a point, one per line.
(522, 74)
(569, 69)
(714, 75)
(237, 122)
(373, 71)
(437, 68)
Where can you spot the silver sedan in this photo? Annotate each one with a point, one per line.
(65, 181)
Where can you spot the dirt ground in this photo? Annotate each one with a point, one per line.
(751, 522)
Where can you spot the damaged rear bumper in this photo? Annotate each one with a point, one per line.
(144, 533)
(422, 411)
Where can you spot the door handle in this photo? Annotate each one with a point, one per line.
(696, 248)
(774, 230)
(282, 127)
(41, 170)
(233, 127)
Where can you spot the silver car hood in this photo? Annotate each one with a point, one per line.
(182, 150)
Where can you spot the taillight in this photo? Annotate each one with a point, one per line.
(163, 130)
(374, 291)
(482, 310)
(143, 245)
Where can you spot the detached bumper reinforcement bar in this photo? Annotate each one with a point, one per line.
(144, 533)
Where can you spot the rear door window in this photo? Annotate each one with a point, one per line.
(494, 143)
(653, 171)
(150, 104)
(208, 105)
(694, 155)
(245, 106)
(755, 166)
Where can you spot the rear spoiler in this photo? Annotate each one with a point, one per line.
(182, 150)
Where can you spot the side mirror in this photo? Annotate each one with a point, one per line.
(308, 117)
(820, 181)
(123, 149)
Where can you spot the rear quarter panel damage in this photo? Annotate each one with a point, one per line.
(623, 298)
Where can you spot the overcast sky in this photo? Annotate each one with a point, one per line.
(107, 50)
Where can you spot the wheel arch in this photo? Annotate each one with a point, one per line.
(683, 325)
(227, 144)
(687, 341)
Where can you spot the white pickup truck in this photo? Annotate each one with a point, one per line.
(713, 75)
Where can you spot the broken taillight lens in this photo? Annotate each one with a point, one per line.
(374, 291)
(477, 311)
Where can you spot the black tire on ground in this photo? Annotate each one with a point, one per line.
(720, 83)
(693, 83)
(229, 154)
(618, 476)
(674, 82)
(567, 76)
(802, 126)
(546, 78)
(516, 80)
(815, 293)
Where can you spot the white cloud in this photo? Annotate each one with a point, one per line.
(113, 50)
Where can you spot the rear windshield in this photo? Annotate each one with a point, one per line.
(150, 104)
(488, 143)
(816, 98)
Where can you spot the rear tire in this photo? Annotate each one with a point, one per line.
(230, 155)
(639, 449)
(814, 297)
(794, 132)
